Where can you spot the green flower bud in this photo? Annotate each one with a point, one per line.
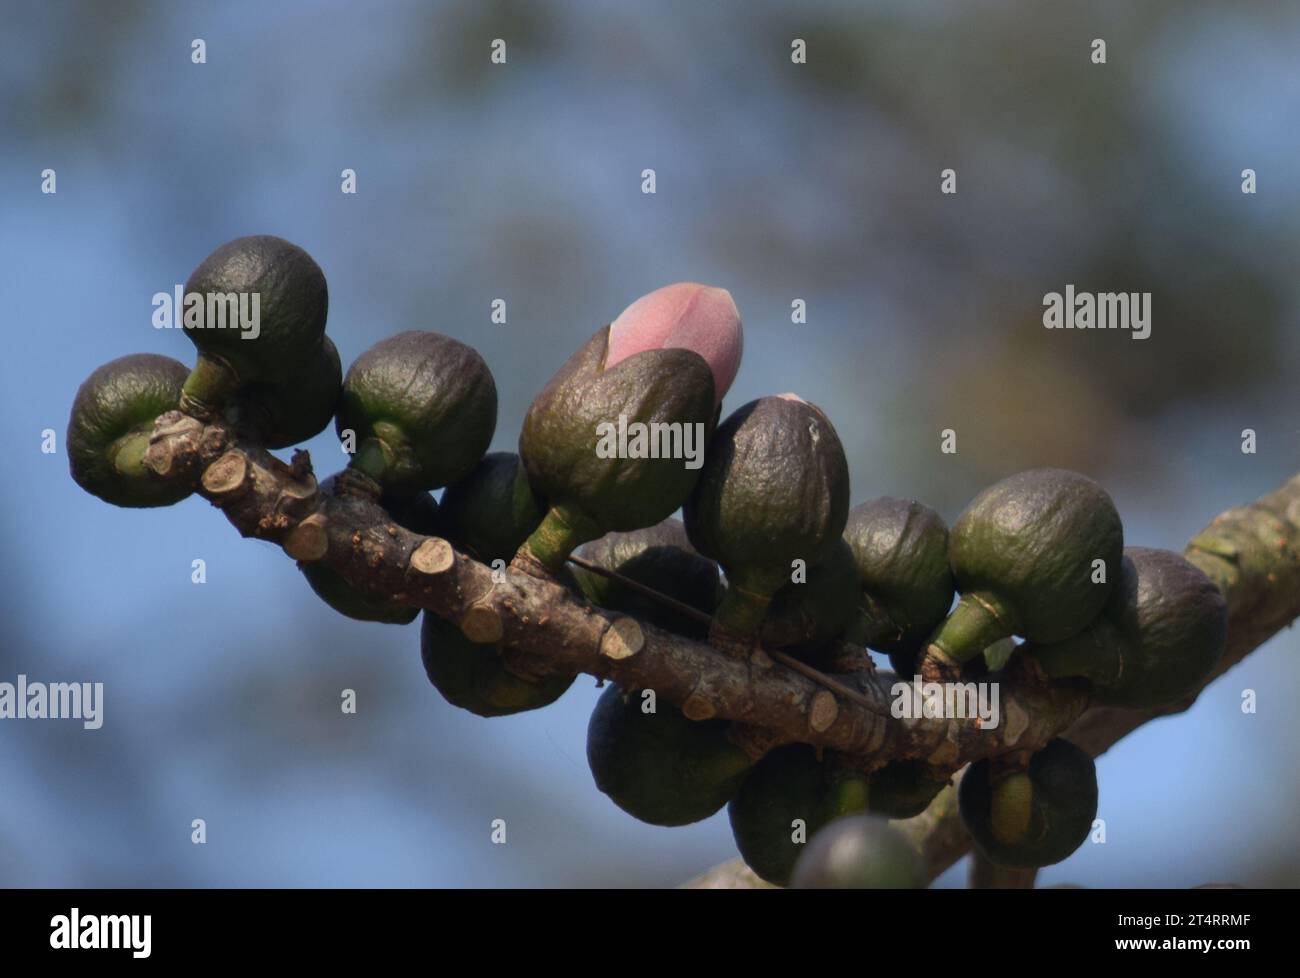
(476, 678)
(787, 798)
(423, 408)
(661, 767)
(1027, 819)
(108, 431)
(661, 558)
(775, 488)
(1157, 640)
(808, 617)
(292, 304)
(900, 549)
(1024, 556)
(567, 433)
(491, 511)
(859, 852)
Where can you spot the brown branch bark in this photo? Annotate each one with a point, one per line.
(1251, 552)
(549, 629)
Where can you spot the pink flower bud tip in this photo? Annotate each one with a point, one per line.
(687, 316)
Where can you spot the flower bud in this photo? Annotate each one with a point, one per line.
(686, 316)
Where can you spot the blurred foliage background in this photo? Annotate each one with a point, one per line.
(522, 181)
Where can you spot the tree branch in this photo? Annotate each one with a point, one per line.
(548, 629)
(1252, 553)
(987, 875)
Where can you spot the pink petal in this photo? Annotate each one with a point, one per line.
(687, 316)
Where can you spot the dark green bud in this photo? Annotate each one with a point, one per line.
(572, 426)
(491, 511)
(900, 549)
(476, 677)
(1023, 555)
(788, 797)
(806, 617)
(661, 558)
(292, 304)
(904, 789)
(423, 408)
(1027, 819)
(661, 767)
(281, 413)
(1157, 640)
(775, 489)
(859, 852)
(108, 431)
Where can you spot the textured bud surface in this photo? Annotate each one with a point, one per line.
(789, 783)
(686, 316)
(1062, 785)
(108, 429)
(661, 767)
(659, 557)
(293, 302)
(423, 407)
